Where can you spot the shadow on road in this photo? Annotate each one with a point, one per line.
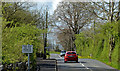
(72, 62)
(60, 59)
(82, 62)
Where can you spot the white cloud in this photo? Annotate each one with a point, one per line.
(54, 5)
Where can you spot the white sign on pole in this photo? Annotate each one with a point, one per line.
(27, 48)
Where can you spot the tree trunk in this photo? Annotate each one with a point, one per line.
(112, 45)
(110, 53)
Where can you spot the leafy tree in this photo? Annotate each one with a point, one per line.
(0, 32)
(20, 12)
(14, 38)
(18, 30)
(98, 44)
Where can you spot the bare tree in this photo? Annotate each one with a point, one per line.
(72, 16)
(106, 11)
(65, 39)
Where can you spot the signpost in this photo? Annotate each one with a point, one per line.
(27, 49)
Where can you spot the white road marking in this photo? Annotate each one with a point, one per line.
(60, 56)
(1, 65)
(85, 66)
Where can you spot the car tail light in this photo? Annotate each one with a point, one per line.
(65, 55)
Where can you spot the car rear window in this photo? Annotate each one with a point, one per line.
(71, 53)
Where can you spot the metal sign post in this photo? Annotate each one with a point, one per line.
(27, 49)
(28, 62)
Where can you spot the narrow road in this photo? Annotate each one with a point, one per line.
(82, 65)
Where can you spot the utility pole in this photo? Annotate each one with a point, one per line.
(45, 35)
(70, 39)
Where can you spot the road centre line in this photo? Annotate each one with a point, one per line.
(86, 67)
(82, 64)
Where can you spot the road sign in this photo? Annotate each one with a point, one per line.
(27, 48)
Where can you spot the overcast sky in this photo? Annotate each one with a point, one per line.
(52, 4)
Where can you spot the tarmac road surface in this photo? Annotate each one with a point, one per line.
(82, 65)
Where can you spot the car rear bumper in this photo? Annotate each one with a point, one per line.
(71, 59)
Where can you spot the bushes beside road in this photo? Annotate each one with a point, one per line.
(14, 38)
(19, 27)
(97, 43)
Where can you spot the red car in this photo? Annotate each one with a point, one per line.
(70, 56)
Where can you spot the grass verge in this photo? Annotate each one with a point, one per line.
(54, 52)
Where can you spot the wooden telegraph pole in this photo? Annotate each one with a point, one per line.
(45, 35)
